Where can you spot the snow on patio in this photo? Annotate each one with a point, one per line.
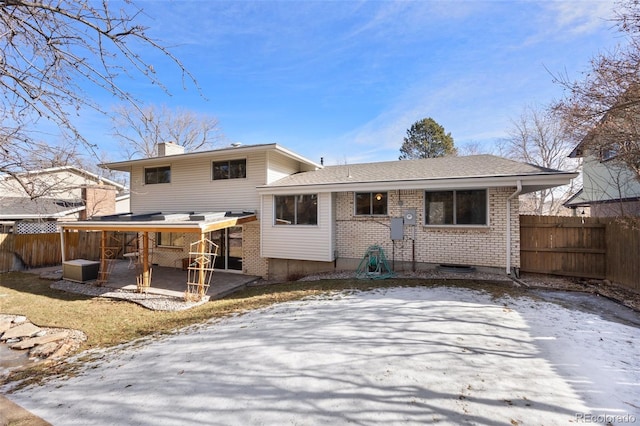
(397, 356)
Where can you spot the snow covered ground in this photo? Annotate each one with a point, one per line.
(396, 356)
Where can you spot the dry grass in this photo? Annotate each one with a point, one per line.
(108, 322)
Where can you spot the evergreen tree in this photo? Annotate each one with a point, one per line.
(426, 139)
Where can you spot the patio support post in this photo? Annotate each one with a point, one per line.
(146, 276)
(103, 256)
(201, 277)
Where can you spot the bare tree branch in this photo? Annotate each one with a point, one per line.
(538, 138)
(140, 130)
(50, 51)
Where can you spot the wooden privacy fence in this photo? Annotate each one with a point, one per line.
(19, 251)
(600, 248)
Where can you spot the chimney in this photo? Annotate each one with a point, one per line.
(99, 200)
(169, 148)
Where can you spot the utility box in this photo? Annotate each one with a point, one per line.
(80, 270)
(397, 228)
(409, 216)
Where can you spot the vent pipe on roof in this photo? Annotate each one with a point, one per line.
(236, 144)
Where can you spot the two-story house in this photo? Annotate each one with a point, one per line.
(608, 188)
(274, 213)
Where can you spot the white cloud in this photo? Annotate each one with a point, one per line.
(580, 17)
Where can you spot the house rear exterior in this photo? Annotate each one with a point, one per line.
(312, 218)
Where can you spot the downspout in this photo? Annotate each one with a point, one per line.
(515, 194)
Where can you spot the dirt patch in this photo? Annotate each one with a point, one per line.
(603, 288)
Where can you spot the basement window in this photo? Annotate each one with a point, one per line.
(170, 239)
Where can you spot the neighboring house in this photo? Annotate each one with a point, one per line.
(280, 214)
(54, 194)
(608, 189)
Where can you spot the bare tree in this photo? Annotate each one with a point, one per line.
(538, 137)
(140, 130)
(474, 148)
(50, 51)
(603, 108)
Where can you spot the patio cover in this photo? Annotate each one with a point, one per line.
(198, 223)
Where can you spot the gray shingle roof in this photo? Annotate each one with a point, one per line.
(474, 166)
(18, 207)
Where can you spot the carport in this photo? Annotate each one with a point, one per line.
(201, 253)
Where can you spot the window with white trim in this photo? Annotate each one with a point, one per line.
(457, 207)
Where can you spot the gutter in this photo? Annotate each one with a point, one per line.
(512, 196)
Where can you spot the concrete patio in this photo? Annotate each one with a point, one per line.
(164, 281)
(173, 281)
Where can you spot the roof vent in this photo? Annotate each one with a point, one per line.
(236, 144)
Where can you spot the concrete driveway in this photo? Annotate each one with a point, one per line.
(397, 356)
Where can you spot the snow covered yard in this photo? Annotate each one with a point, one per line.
(395, 356)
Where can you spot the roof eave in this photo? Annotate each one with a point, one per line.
(125, 166)
(530, 183)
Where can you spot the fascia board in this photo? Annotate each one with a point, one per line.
(544, 180)
(126, 165)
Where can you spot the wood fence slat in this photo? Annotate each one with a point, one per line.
(39, 250)
(581, 247)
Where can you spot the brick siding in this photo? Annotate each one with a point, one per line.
(484, 246)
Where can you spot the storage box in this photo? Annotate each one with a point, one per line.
(80, 270)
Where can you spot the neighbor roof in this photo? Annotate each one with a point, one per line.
(72, 169)
(475, 170)
(39, 208)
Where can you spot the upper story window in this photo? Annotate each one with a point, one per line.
(232, 169)
(371, 203)
(459, 207)
(608, 152)
(296, 209)
(157, 175)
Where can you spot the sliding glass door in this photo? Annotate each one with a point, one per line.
(229, 243)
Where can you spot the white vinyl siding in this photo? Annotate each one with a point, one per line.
(311, 242)
(280, 166)
(604, 181)
(192, 188)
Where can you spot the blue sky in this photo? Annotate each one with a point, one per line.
(344, 80)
